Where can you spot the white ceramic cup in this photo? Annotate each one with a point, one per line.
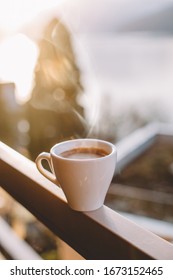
(85, 181)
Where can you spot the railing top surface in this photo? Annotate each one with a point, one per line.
(100, 234)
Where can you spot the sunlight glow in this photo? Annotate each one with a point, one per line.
(16, 13)
(18, 55)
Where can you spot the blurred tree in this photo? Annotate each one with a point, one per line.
(9, 114)
(53, 111)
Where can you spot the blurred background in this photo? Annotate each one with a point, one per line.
(71, 69)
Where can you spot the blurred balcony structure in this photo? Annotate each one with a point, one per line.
(142, 188)
(119, 237)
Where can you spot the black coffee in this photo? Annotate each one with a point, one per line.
(84, 153)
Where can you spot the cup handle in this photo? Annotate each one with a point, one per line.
(49, 175)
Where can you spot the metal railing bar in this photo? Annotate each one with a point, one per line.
(13, 246)
(135, 144)
(147, 195)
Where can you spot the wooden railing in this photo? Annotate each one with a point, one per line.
(100, 234)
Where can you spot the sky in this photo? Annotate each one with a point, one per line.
(100, 16)
(16, 13)
(82, 17)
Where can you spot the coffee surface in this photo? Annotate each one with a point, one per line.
(84, 153)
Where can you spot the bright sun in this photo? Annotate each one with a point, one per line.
(18, 56)
(18, 53)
